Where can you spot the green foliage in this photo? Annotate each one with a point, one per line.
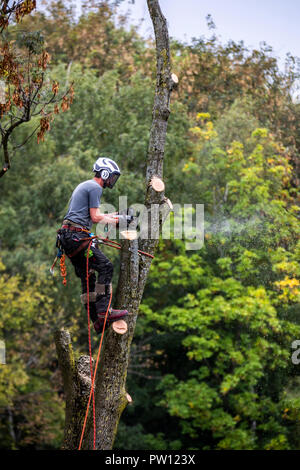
(25, 391)
(232, 300)
(33, 41)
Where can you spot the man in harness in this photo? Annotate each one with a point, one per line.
(82, 212)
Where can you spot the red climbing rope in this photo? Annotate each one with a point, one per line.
(89, 333)
(93, 374)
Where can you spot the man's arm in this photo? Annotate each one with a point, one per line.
(97, 216)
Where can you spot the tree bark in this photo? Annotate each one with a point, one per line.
(110, 385)
(77, 384)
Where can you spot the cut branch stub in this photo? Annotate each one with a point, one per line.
(174, 78)
(165, 208)
(129, 234)
(169, 203)
(157, 184)
(120, 327)
(174, 81)
(128, 397)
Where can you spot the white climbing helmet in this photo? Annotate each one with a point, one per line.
(109, 171)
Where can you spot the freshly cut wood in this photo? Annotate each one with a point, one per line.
(120, 327)
(165, 208)
(174, 78)
(157, 184)
(129, 234)
(128, 398)
(167, 201)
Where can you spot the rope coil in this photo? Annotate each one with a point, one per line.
(63, 269)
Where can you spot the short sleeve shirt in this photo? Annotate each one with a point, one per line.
(85, 196)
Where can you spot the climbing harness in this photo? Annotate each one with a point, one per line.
(84, 243)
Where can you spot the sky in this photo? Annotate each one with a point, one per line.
(276, 22)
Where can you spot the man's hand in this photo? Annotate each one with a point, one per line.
(97, 216)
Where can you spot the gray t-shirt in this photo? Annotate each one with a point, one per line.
(85, 196)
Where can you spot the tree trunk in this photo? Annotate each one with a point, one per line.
(77, 384)
(110, 384)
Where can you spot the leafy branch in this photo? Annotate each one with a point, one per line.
(27, 90)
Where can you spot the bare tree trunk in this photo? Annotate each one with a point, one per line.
(11, 427)
(110, 386)
(77, 385)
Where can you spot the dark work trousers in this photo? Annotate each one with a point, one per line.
(99, 289)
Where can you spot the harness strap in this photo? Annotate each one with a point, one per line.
(81, 247)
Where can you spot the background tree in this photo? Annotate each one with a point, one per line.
(110, 394)
(26, 93)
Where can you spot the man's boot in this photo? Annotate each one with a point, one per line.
(113, 315)
(103, 292)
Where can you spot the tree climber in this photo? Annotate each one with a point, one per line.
(82, 212)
